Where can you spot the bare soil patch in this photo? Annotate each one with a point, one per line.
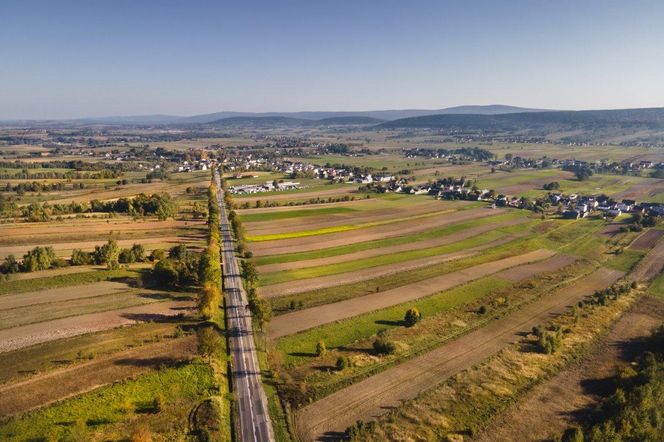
(401, 228)
(45, 389)
(548, 265)
(565, 399)
(416, 245)
(535, 183)
(376, 395)
(651, 265)
(298, 321)
(647, 240)
(19, 337)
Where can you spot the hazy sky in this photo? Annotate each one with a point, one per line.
(62, 59)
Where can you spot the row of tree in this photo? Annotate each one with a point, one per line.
(210, 294)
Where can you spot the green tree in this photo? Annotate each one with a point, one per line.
(321, 350)
(209, 342)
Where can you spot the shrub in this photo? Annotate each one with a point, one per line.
(384, 346)
(321, 350)
(412, 317)
(342, 363)
(482, 310)
(141, 434)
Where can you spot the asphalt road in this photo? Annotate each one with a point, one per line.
(253, 416)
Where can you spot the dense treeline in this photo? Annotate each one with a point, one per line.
(44, 258)
(635, 412)
(35, 186)
(474, 153)
(210, 295)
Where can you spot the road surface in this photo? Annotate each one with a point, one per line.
(253, 416)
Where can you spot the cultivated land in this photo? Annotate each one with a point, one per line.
(374, 396)
(89, 352)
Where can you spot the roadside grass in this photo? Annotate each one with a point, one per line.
(113, 412)
(300, 347)
(392, 241)
(341, 228)
(276, 215)
(394, 258)
(464, 404)
(31, 314)
(32, 285)
(41, 358)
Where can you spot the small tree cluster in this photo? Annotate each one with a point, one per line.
(383, 346)
(412, 317)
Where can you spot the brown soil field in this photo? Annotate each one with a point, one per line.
(62, 294)
(56, 385)
(305, 285)
(322, 221)
(252, 210)
(19, 337)
(647, 240)
(536, 183)
(611, 230)
(416, 245)
(65, 248)
(374, 396)
(298, 321)
(651, 264)
(562, 401)
(294, 245)
(650, 187)
(526, 271)
(102, 226)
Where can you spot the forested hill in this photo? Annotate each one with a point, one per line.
(652, 118)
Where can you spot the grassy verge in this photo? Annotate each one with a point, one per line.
(116, 411)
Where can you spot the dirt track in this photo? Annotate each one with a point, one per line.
(552, 406)
(19, 337)
(56, 385)
(374, 396)
(318, 242)
(298, 321)
(415, 245)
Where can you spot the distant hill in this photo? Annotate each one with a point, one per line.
(385, 115)
(548, 121)
(382, 115)
(281, 121)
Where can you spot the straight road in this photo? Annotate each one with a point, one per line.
(253, 416)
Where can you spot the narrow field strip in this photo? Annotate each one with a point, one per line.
(341, 228)
(62, 294)
(346, 272)
(296, 213)
(376, 395)
(290, 323)
(376, 214)
(19, 337)
(295, 245)
(651, 265)
(446, 238)
(44, 389)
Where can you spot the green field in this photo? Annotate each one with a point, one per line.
(299, 213)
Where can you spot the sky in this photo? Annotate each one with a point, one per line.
(67, 59)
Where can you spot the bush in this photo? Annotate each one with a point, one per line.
(165, 273)
(384, 346)
(412, 317)
(79, 257)
(482, 310)
(321, 349)
(342, 363)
